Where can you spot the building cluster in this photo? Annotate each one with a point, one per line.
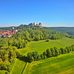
(7, 33)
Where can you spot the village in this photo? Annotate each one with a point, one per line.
(7, 33)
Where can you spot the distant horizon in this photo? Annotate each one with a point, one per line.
(43, 24)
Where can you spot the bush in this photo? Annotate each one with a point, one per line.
(47, 40)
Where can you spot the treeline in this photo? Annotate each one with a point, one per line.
(52, 52)
(17, 42)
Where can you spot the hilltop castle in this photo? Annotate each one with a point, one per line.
(35, 24)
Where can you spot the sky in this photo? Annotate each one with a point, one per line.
(51, 13)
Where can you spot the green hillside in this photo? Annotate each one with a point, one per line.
(63, 64)
(69, 30)
(42, 45)
(18, 67)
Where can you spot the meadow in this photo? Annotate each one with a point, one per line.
(42, 45)
(61, 64)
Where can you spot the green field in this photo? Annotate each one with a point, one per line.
(41, 46)
(18, 67)
(63, 64)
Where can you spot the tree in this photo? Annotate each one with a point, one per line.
(35, 55)
(62, 51)
(48, 53)
(3, 55)
(47, 40)
(3, 42)
(72, 47)
(26, 35)
(44, 55)
(52, 52)
(68, 49)
(56, 52)
(30, 57)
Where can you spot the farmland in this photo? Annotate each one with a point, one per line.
(50, 65)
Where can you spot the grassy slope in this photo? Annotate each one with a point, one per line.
(18, 67)
(63, 64)
(70, 30)
(25, 50)
(40, 46)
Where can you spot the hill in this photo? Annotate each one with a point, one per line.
(69, 30)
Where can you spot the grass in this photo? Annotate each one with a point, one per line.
(42, 45)
(18, 67)
(25, 50)
(63, 64)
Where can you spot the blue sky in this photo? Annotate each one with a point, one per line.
(50, 12)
